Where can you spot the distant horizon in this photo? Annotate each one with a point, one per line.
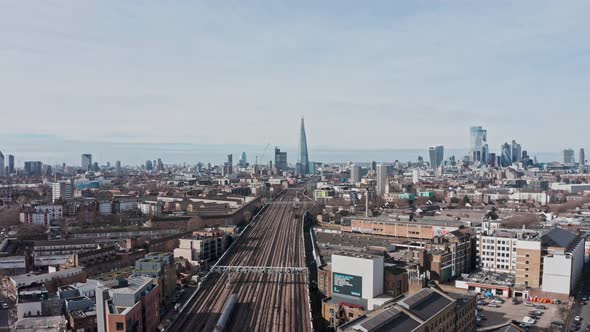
(54, 151)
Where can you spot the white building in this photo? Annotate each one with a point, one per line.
(357, 278)
(564, 261)
(41, 214)
(382, 179)
(150, 208)
(63, 190)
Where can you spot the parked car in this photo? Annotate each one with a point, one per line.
(578, 319)
(514, 300)
(529, 304)
(528, 320)
(498, 301)
(493, 305)
(540, 306)
(4, 305)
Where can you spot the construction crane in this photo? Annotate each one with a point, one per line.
(256, 165)
(261, 157)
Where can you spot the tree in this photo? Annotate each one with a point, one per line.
(466, 200)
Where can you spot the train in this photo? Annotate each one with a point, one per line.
(226, 313)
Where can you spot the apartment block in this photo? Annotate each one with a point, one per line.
(131, 304)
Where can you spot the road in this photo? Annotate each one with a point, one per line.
(266, 302)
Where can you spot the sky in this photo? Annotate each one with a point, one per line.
(365, 75)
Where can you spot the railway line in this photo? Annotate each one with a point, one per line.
(265, 301)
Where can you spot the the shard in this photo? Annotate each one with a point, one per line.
(302, 157)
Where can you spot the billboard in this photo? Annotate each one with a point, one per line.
(346, 284)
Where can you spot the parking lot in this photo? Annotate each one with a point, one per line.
(507, 312)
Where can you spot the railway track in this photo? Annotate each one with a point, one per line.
(265, 302)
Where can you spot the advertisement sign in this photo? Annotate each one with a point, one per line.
(346, 284)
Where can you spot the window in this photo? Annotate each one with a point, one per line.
(120, 326)
(527, 255)
(526, 262)
(350, 314)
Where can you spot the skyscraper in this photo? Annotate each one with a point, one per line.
(149, 165)
(516, 151)
(229, 163)
(506, 156)
(581, 160)
(436, 154)
(62, 190)
(355, 174)
(243, 161)
(382, 183)
(1, 164)
(86, 161)
(33, 168)
(280, 159)
(302, 156)
(118, 165)
(568, 156)
(11, 164)
(478, 138)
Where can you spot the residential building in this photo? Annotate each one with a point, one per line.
(355, 174)
(200, 249)
(131, 304)
(382, 179)
(62, 190)
(160, 267)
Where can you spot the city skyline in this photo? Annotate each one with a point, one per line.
(424, 64)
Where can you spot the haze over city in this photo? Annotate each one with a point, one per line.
(388, 76)
(331, 166)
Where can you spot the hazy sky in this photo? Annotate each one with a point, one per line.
(365, 75)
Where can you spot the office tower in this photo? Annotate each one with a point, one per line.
(516, 151)
(485, 152)
(415, 175)
(506, 156)
(374, 166)
(160, 165)
(118, 165)
(11, 169)
(436, 154)
(33, 168)
(492, 161)
(478, 138)
(280, 159)
(355, 174)
(568, 156)
(63, 190)
(382, 183)
(1, 164)
(229, 164)
(302, 156)
(582, 157)
(148, 165)
(243, 161)
(86, 162)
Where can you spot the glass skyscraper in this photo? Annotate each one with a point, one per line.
(302, 156)
(478, 138)
(436, 154)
